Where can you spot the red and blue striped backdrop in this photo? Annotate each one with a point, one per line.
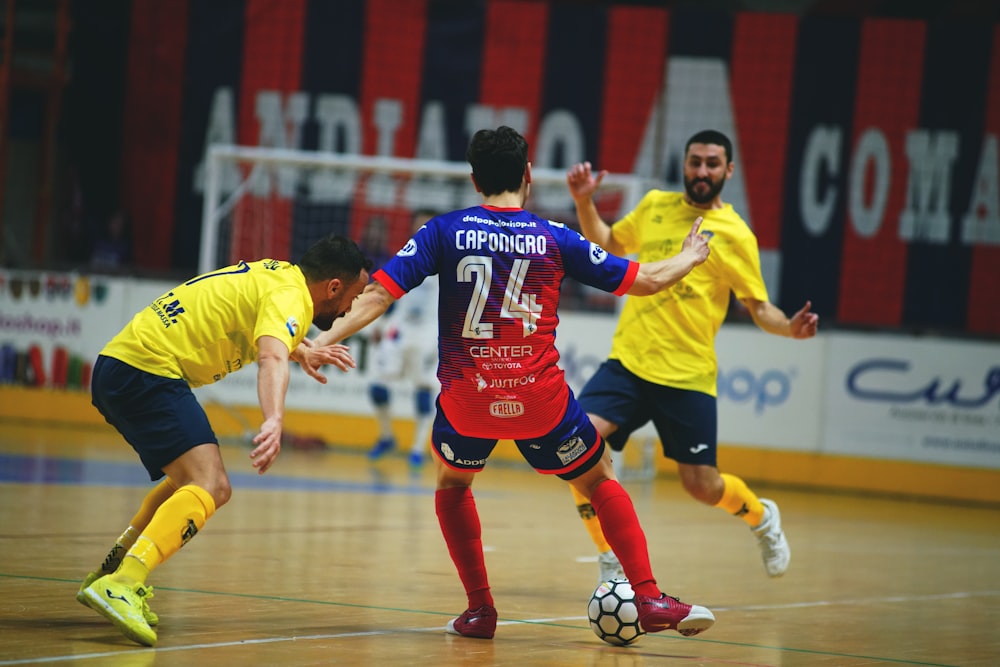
(823, 112)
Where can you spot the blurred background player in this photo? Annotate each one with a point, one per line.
(406, 356)
(112, 251)
(662, 366)
(194, 335)
(500, 270)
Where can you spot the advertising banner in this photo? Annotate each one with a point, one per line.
(866, 149)
(878, 396)
(52, 325)
(770, 389)
(928, 400)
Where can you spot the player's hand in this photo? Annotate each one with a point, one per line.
(697, 243)
(268, 445)
(300, 350)
(581, 181)
(804, 322)
(309, 360)
(313, 359)
(337, 354)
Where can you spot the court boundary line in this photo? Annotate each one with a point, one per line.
(557, 622)
(553, 622)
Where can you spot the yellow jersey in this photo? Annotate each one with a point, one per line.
(208, 327)
(668, 338)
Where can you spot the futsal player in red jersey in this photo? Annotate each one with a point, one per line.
(499, 269)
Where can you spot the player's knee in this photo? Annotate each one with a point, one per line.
(222, 495)
(221, 491)
(423, 399)
(701, 488)
(699, 494)
(379, 394)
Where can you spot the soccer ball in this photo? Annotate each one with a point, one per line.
(613, 614)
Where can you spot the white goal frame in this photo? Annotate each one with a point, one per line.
(277, 168)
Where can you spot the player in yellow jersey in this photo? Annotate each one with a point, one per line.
(662, 366)
(196, 334)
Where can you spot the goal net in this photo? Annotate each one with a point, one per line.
(271, 202)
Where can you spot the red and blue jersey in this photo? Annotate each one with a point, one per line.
(500, 270)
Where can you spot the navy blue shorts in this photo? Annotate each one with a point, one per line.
(572, 448)
(160, 417)
(685, 420)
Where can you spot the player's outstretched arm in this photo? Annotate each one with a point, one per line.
(312, 357)
(656, 276)
(770, 318)
(582, 184)
(368, 307)
(272, 384)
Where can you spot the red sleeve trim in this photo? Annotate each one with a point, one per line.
(383, 279)
(629, 279)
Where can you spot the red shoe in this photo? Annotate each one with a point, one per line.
(669, 613)
(479, 623)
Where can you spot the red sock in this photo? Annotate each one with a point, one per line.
(456, 512)
(622, 530)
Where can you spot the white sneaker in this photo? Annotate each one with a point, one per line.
(610, 567)
(773, 545)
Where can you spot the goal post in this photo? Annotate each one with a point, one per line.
(272, 202)
(275, 202)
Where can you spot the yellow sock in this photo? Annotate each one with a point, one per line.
(156, 497)
(122, 545)
(177, 520)
(134, 566)
(150, 503)
(590, 520)
(739, 500)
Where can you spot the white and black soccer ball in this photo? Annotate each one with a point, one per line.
(613, 614)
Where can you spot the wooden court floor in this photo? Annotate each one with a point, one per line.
(329, 560)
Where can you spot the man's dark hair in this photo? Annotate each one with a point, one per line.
(334, 257)
(499, 159)
(712, 137)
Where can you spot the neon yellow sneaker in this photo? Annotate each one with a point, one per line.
(147, 613)
(122, 605)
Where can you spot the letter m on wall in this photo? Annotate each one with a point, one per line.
(931, 156)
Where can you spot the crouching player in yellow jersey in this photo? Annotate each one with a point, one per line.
(196, 334)
(662, 366)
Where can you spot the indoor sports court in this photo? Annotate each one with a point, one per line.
(145, 142)
(329, 559)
